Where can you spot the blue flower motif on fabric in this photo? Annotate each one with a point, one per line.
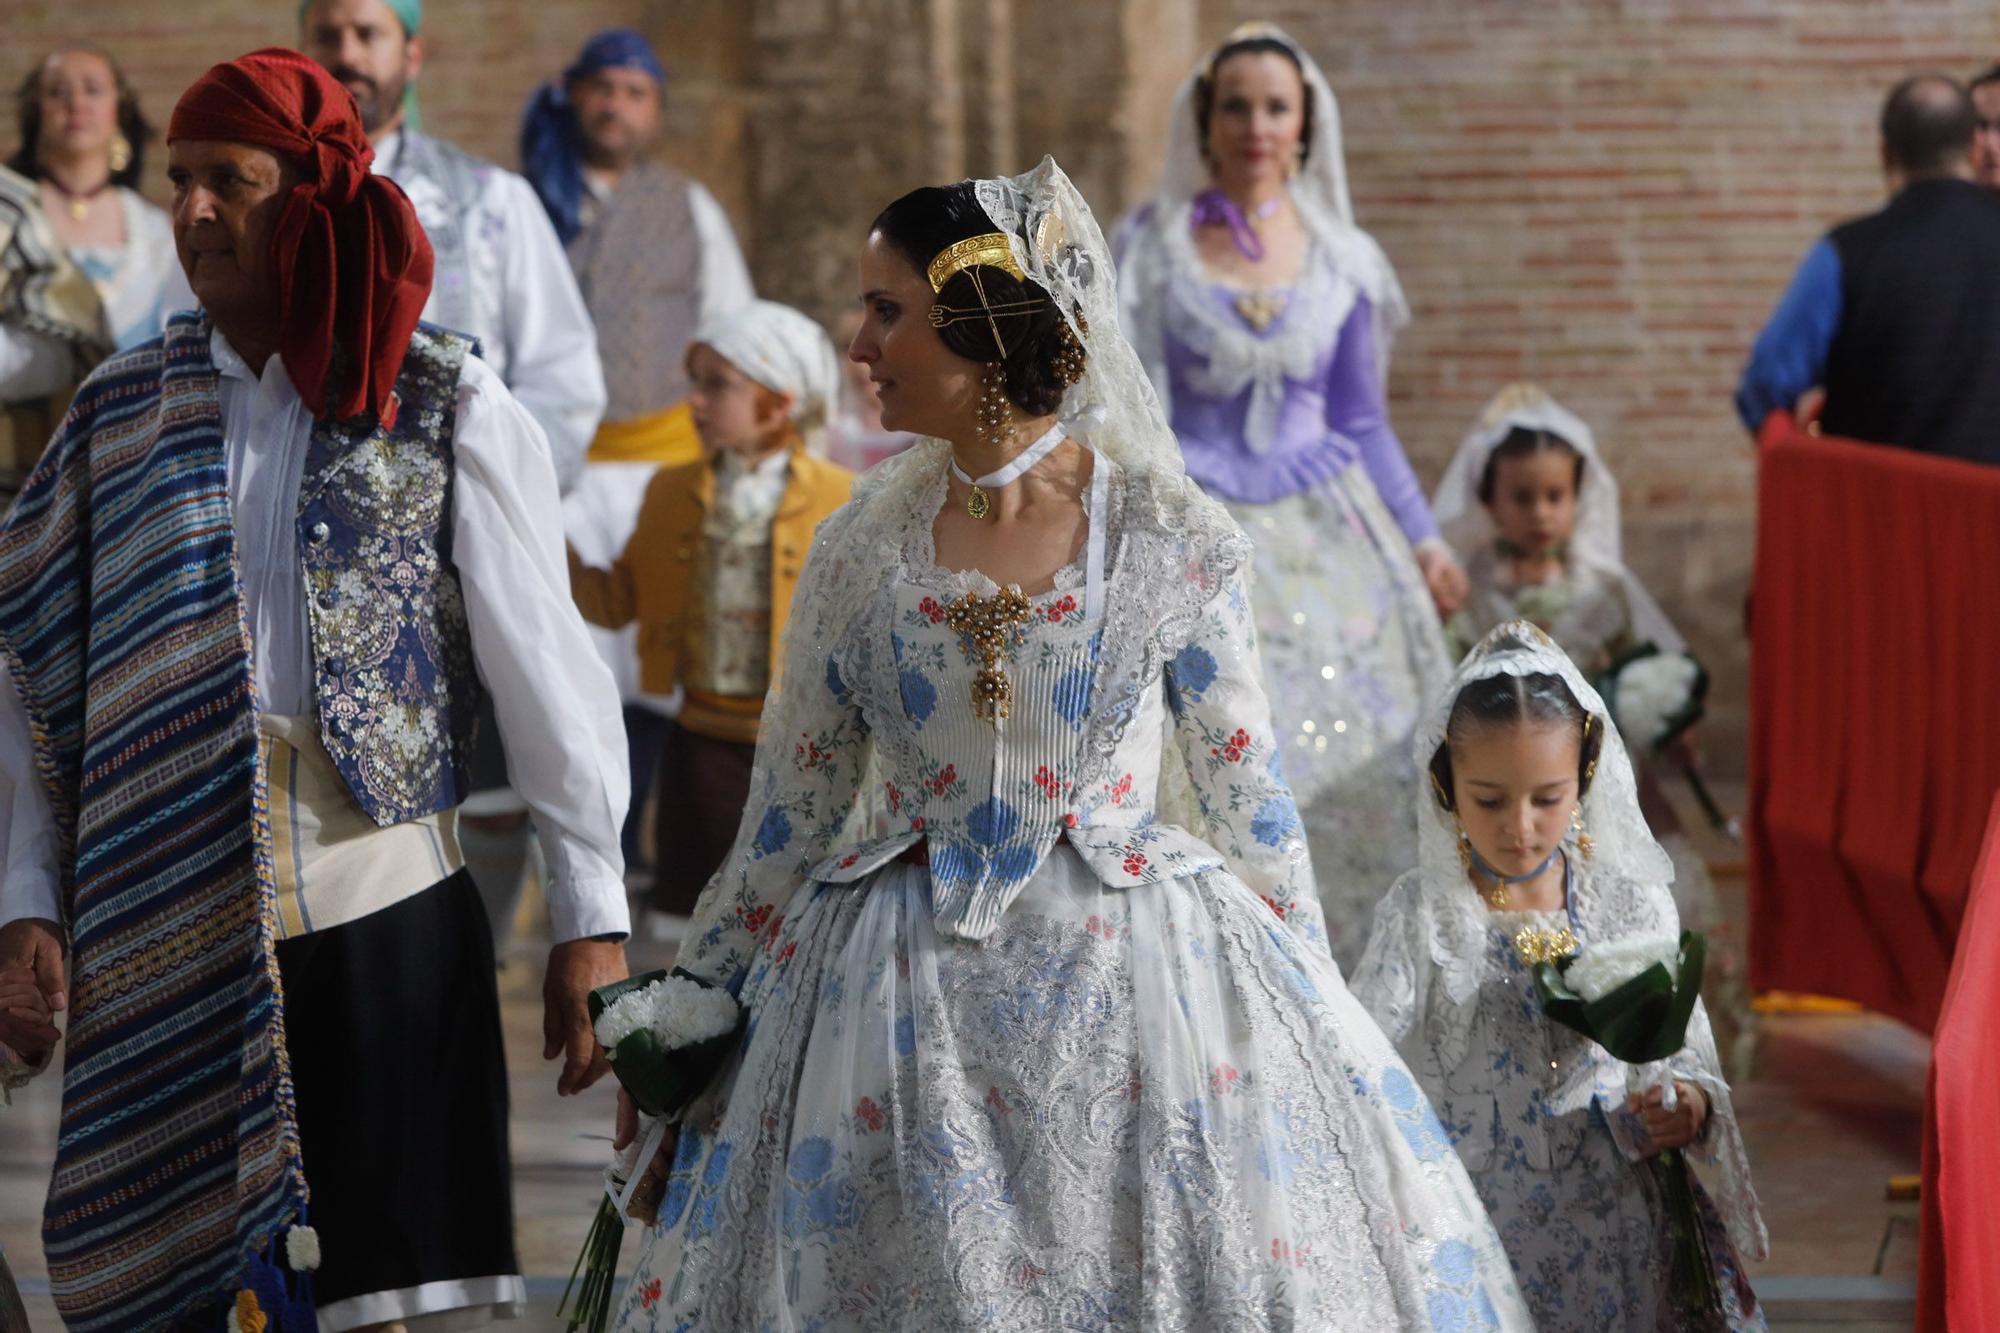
(811, 1159)
(702, 1220)
(1014, 863)
(1451, 1313)
(1189, 676)
(1275, 820)
(919, 695)
(1419, 1124)
(906, 1037)
(992, 822)
(834, 684)
(1454, 1262)
(954, 863)
(1072, 695)
(812, 1201)
(774, 831)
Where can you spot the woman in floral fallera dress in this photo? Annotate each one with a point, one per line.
(1263, 315)
(1035, 1057)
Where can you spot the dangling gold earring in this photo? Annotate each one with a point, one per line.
(121, 153)
(996, 425)
(1464, 845)
(1069, 353)
(1576, 831)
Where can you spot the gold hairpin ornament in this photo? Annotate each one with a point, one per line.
(943, 315)
(993, 249)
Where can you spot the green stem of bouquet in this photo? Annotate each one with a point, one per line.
(598, 1262)
(1694, 1267)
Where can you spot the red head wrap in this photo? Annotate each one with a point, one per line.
(352, 261)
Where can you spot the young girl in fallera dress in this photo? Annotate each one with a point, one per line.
(1039, 1056)
(1532, 508)
(1531, 840)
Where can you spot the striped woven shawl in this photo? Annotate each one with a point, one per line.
(122, 621)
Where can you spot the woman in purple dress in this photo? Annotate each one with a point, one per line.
(1263, 315)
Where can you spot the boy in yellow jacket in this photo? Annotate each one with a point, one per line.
(710, 569)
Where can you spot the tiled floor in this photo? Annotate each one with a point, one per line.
(1833, 1111)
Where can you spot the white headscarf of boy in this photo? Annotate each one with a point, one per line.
(1466, 523)
(784, 350)
(1621, 842)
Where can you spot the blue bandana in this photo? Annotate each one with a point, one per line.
(551, 154)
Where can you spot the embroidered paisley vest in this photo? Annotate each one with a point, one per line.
(392, 655)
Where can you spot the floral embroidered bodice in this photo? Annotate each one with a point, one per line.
(892, 721)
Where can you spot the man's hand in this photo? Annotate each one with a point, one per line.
(1442, 575)
(575, 970)
(1676, 1128)
(31, 959)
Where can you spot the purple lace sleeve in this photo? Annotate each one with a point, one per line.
(1355, 407)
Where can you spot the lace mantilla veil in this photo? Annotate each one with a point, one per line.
(1468, 527)
(1112, 409)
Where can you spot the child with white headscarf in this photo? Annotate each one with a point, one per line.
(709, 571)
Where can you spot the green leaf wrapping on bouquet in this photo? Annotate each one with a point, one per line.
(662, 1081)
(1644, 1019)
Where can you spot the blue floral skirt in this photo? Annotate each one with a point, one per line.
(1145, 1108)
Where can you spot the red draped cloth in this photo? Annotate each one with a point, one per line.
(1874, 716)
(1958, 1285)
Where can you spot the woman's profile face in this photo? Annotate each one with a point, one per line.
(1255, 120)
(924, 387)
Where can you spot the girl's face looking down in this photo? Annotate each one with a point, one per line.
(1515, 787)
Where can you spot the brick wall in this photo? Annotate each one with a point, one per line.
(1602, 195)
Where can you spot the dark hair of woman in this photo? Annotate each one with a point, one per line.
(1520, 442)
(1539, 700)
(926, 221)
(1204, 88)
(131, 123)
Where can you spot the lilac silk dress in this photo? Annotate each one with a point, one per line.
(1277, 397)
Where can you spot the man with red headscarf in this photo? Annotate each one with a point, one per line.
(249, 601)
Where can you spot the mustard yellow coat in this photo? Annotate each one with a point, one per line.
(652, 580)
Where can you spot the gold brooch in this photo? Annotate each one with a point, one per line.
(1544, 946)
(986, 629)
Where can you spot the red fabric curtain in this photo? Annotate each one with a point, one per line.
(1958, 1277)
(1874, 715)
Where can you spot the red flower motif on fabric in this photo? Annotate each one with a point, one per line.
(1101, 928)
(785, 954)
(810, 756)
(1135, 863)
(932, 611)
(1282, 1251)
(1056, 610)
(1051, 785)
(1134, 1085)
(649, 1295)
(1069, 821)
(1222, 1079)
(895, 796)
(1120, 789)
(997, 1102)
(1282, 910)
(754, 919)
(944, 779)
(849, 859)
(1235, 747)
(871, 1116)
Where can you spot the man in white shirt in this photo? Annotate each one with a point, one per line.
(656, 259)
(248, 605)
(503, 279)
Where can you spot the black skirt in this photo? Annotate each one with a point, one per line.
(393, 1027)
(703, 784)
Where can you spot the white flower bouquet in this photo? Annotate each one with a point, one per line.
(1634, 997)
(666, 1034)
(1654, 697)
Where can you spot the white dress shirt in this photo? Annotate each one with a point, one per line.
(531, 322)
(556, 705)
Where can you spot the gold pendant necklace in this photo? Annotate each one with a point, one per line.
(1260, 308)
(976, 503)
(986, 629)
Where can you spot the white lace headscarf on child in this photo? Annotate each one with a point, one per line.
(1621, 843)
(1465, 522)
(784, 350)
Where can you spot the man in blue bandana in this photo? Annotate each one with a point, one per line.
(655, 257)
